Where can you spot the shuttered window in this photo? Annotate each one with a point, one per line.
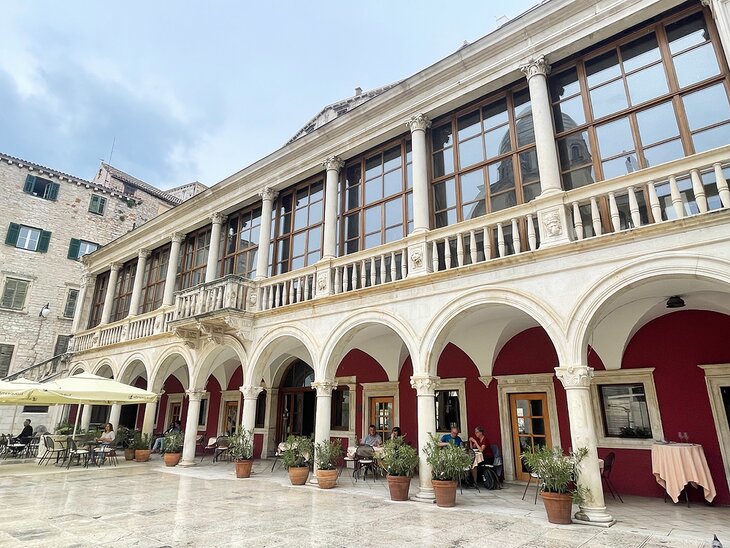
(61, 344)
(27, 237)
(6, 354)
(40, 187)
(97, 205)
(14, 294)
(70, 306)
(79, 248)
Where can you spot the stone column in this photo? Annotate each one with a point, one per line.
(250, 397)
(268, 195)
(85, 417)
(332, 165)
(136, 299)
(106, 311)
(721, 14)
(425, 386)
(148, 420)
(81, 312)
(168, 297)
(211, 272)
(576, 380)
(324, 412)
(191, 427)
(418, 125)
(114, 415)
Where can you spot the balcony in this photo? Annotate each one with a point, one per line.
(645, 200)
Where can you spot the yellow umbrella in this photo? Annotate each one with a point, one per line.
(92, 389)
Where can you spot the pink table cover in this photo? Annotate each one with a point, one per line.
(677, 464)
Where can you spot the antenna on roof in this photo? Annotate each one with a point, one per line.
(111, 152)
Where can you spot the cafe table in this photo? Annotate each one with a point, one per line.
(676, 464)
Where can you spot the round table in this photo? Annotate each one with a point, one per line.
(677, 464)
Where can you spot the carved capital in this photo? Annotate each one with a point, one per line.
(143, 253)
(324, 388)
(217, 218)
(115, 266)
(333, 163)
(535, 67)
(250, 392)
(418, 122)
(88, 279)
(268, 193)
(425, 385)
(195, 395)
(177, 237)
(575, 376)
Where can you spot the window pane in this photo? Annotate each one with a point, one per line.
(574, 151)
(315, 213)
(501, 176)
(564, 84)
(353, 176)
(602, 68)
(443, 162)
(372, 219)
(663, 153)
(472, 186)
(625, 413)
(696, 65)
(647, 83)
(657, 123)
(503, 201)
(711, 138)
(688, 32)
(640, 53)
(393, 182)
(315, 238)
(608, 99)
(578, 178)
(441, 137)
(373, 240)
(394, 212)
(495, 114)
(373, 167)
(392, 158)
(444, 195)
(471, 152)
(569, 114)
(446, 218)
(352, 226)
(373, 190)
(498, 141)
(353, 197)
(528, 166)
(620, 166)
(706, 107)
(393, 234)
(469, 125)
(615, 138)
(523, 117)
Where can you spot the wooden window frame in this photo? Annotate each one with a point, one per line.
(247, 214)
(10, 361)
(24, 305)
(187, 267)
(97, 299)
(123, 291)
(154, 277)
(49, 190)
(405, 195)
(101, 200)
(66, 303)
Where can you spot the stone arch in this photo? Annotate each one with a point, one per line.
(105, 364)
(670, 270)
(214, 355)
(130, 367)
(521, 309)
(172, 359)
(79, 367)
(295, 341)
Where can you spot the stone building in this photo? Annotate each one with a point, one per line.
(51, 220)
(531, 235)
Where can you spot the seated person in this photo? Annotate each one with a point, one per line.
(159, 444)
(107, 437)
(395, 433)
(26, 434)
(373, 439)
(451, 438)
(482, 450)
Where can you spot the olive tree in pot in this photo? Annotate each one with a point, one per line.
(173, 446)
(327, 455)
(448, 464)
(126, 435)
(400, 461)
(141, 446)
(240, 446)
(558, 475)
(296, 457)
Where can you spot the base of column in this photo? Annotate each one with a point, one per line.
(186, 463)
(313, 480)
(425, 494)
(598, 517)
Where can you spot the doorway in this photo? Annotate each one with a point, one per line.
(297, 402)
(230, 418)
(381, 415)
(530, 426)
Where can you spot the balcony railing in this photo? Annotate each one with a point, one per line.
(42, 371)
(686, 187)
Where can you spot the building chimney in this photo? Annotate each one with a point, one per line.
(358, 91)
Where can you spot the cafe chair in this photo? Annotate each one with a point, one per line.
(209, 448)
(606, 475)
(491, 473)
(73, 451)
(365, 460)
(105, 452)
(221, 449)
(31, 450)
(538, 480)
(51, 451)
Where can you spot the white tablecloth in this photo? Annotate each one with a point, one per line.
(677, 464)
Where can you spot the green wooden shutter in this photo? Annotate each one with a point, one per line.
(73, 249)
(51, 191)
(43, 241)
(29, 184)
(12, 236)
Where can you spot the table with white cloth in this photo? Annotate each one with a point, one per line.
(677, 464)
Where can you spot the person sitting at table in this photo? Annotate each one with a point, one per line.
(451, 438)
(159, 444)
(373, 439)
(26, 434)
(395, 433)
(108, 435)
(482, 450)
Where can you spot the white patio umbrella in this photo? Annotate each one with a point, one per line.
(20, 381)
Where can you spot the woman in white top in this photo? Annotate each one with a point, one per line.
(108, 435)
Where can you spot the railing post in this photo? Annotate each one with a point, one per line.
(418, 256)
(722, 188)
(324, 284)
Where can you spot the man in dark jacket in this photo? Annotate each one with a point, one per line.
(27, 434)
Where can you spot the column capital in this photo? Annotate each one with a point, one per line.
(251, 392)
(333, 163)
(195, 395)
(324, 388)
(425, 385)
(143, 253)
(575, 376)
(268, 193)
(177, 237)
(706, 3)
(115, 266)
(87, 279)
(217, 218)
(418, 122)
(536, 66)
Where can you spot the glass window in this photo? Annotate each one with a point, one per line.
(693, 54)
(14, 293)
(97, 204)
(97, 299)
(155, 273)
(260, 421)
(193, 258)
(299, 226)
(239, 243)
(6, 355)
(70, 307)
(43, 188)
(624, 409)
(28, 238)
(448, 411)
(340, 408)
(87, 247)
(61, 345)
(123, 291)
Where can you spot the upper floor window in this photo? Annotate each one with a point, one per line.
(43, 188)
(15, 292)
(97, 204)
(377, 201)
(240, 242)
(123, 291)
(61, 344)
(69, 308)
(6, 356)
(79, 248)
(484, 159)
(654, 96)
(155, 272)
(194, 258)
(26, 237)
(299, 227)
(97, 299)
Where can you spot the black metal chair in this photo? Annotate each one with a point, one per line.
(52, 451)
(538, 480)
(221, 449)
(31, 450)
(606, 475)
(364, 461)
(491, 472)
(72, 451)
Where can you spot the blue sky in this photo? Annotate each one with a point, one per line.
(198, 90)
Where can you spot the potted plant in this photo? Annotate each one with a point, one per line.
(64, 429)
(448, 464)
(141, 446)
(296, 457)
(240, 447)
(173, 446)
(126, 436)
(327, 455)
(558, 476)
(400, 461)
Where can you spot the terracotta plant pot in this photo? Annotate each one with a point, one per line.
(142, 455)
(445, 492)
(399, 486)
(171, 459)
(559, 507)
(129, 454)
(326, 479)
(243, 468)
(298, 475)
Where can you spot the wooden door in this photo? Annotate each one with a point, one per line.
(175, 411)
(381, 415)
(530, 426)
(230, 418)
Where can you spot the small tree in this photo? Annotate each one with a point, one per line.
(399, 458)
(297, 452)
(558, 472)
(447, 463)
(240, 445)
(174, 442)
(327, 454)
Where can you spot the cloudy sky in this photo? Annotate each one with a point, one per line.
(198, 90)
